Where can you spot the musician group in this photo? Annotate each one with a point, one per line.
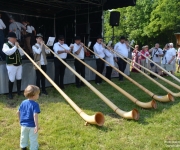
(38, 51)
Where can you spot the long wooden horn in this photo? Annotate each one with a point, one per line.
(151, 104)
(165, 98)
(97, 119)
(160, 85)
(134, 114)
(174, 77)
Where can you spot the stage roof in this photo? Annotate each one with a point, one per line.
(60, 7)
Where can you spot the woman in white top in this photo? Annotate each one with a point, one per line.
(109, 57)
(40, 52)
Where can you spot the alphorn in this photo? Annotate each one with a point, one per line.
(174, 77)
(160, 85)
(165, 98)
(151, 104)
(134, 114)
(97, 119)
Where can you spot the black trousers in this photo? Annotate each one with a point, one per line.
(122, 66)
(80, 68)
(108, 72)
(100, 68)
(59, 72)
(40, 79)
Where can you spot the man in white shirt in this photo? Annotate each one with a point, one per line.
(27, 36)
(13, 62)
(2, 27)
(40, 52)
(78, 51)
(99, 49)
(61, 50)
(121, 48)
(16, 27)
(156, 54)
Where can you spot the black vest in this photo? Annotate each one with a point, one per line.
(15, 58)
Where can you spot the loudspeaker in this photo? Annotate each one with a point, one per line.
(114, 18)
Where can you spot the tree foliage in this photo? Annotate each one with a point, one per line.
(148, 22)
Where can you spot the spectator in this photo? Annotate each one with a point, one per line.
(168, 59)
(156, 54)
(142, 57)
(171, 45)
(135, 56)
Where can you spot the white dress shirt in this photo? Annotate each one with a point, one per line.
(75, 49)
(109, 57)
(28, 29)
(2, 25)
(38, 51)
(99, 49)
(9, 51)
(32, 28)
(121, 49)
(57, 47)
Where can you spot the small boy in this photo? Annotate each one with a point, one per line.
(28, 117)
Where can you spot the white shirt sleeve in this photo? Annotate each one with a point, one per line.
(174, 53)
(107, 53)
(115, 49)
(2, 24)
(29, 30)
(9, 51)
(160, 51)
(36, 50)
(56, 48)
(32, 28)
(99, 49)
(21, 52)
(66, 47)
(75, 48)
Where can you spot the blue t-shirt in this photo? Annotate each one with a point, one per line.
(27, 110)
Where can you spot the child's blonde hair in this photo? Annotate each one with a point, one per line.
(31, 90)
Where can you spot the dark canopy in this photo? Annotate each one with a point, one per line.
(50, 7)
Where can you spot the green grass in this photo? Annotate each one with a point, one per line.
(61, 128)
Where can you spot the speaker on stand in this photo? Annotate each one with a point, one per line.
(114, 21)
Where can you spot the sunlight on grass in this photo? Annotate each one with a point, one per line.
(62, 128)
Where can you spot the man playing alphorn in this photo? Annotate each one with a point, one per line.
(13, 62)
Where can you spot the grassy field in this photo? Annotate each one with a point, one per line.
(61, 128)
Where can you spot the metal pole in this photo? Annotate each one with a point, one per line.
(75, 24)
(54, 25)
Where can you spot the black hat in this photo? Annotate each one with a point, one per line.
(39, 35)
(99, 37)
(122, 38)
(77, 38)
(61, 37)
(12, 35)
